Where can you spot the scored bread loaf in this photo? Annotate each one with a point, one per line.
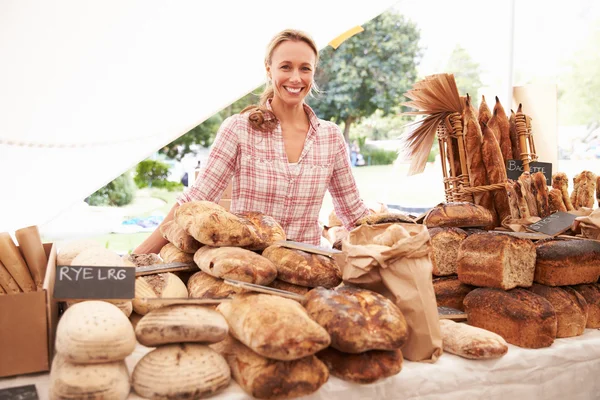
(561, 182)
(513, 200)
(496, 171)
(171, 254)
(292, 334)
(471, 342)
(235, 263)
(204, 286)
(290, 287)
(367, 367)
(591, 294)
(496, 260)
(302, 268)
(383, 218)
(555, 201)
(13, 261)
(573, 196)
(165, 285)
(484, 114)
(586, 190)
(264, 378)
(514, 136)
(500, 121)
(458, 214)
(538, 180)
(567, 262)
(450, 292)
(445, 243)
(521, 317)
(528, 191)
(178, 237)
(570, 307)
(180, 371)
(357, 319)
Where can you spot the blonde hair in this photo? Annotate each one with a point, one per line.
(259, 116)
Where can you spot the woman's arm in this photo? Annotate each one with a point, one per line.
(155, 241)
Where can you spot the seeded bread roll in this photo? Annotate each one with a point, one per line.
(567, 262)
(591, 294)
(445, 242)
(570, 307)
(450, 292)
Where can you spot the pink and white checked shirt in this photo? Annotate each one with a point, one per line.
(264, 181)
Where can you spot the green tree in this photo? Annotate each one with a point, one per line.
(368, 72)
(466, 73)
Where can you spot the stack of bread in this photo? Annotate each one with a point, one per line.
(182, 365)
(93, 338)
(367, 332)
(22, 271)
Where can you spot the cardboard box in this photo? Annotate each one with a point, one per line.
(28, 324)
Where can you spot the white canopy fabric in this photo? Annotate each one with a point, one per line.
(90, 88)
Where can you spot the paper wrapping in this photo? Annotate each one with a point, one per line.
(401, 272)
(33, 251)
(590, 224)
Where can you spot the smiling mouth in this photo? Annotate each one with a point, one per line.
(293, 90)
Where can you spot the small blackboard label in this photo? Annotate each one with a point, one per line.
(554, 224)
(87, 282)
(28, 392)
(514, 169)
(451, 313)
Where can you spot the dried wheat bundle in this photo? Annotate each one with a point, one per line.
(437, 97)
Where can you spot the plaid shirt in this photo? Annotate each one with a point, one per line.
(264, 181)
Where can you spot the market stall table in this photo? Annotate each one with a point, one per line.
(566, 370)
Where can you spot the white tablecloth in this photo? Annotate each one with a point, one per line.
(569, 369)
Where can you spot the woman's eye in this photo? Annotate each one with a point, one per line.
(306, 69)
(285, 67)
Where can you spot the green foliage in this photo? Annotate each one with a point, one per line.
(169, 185)
(151, 173)
(466, 73)
(376, 156)
(378, 127)
(119, 192)
(369, 71)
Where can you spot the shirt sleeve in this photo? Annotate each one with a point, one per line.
(214, 178)
(347, 203)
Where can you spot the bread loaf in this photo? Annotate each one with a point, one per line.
(367, 367)
(445, 243)
(500, 121)
(586, 190)
(538, 180)
(264, 378)
(496, 260)
(93, 332)
(529, 193)
(496, 171)
(555, 201)
(573, 196)
(165, 285)
(266, 227)
(513, 200)
(521, 317)
(450, 292)
(301, 268)
(178, 237)
(181, 324)
(522, 200)
(290, 287)
(7, 282)
(171, 254)
(484, 113)
(471, 342)
(567, 262)
(33, 252)
(92, 382)
(204, 286)
(12, 260)
(383, 218)
(357, 319)
(458, 214)
(514, 136)
(570, 307)
(142, 260)
(180, 371)
(561, 182)
(591, 294)
(69, 250)
(235, 263)
(292, 334)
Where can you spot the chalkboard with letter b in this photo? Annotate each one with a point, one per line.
(514, 169)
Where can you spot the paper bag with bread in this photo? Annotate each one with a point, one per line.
(393, 259)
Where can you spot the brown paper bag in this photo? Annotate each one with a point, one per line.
(590, 224)
(402, 273)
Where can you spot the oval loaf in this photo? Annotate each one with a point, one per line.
(165, 285)
(204, 286)
(235, 263)
(170, 254)
(179, 238)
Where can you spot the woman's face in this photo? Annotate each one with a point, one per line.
(292, 71)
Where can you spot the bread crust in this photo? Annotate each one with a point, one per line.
(570, 307)
(458, 214)
(567, 262)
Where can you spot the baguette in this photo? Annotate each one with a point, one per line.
(513, 200)
(574, 192)
(501, 124)
(496, 171)
(529, 193)
(484, 113)
(561, 182)
(471, 342)
(538, 180)
(523, 206)
(14, 263)
(555, 201)
(514, 136)
(586, 190)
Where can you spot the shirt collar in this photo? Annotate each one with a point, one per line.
(312, 117)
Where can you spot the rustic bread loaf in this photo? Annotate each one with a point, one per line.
(471, 342)
(180, 371)
(591, 294)
(496, 171)
(522, 200)
(513, 200)
(357, 319)
(142, 260)
(561, 182)
(68, 251)
(235, 263)
(13, 261)
(181, 324)
(555, 201)
(204, 286)
(178, 237)
(264, 378)
(521, 317)
(500, 119)
(529, 192)
(383, 218)
(567, 262)
(290, 287)
(165, 285)
(573, 197)
(81, 339)
(367, 367)
(291, 333)
(538, 180)
(496, 260)
(266, 227)
(445, 243)
(171, 254)
(514, 136)
(570, 307)
(450, 292)
(484, 114)
(458, 214)
(302, 268)
(586, 190)
(92, 382)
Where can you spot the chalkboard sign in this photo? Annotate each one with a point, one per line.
(28, 392)
(554, 224)
(451, 313)
(514, 169)
(86, 282)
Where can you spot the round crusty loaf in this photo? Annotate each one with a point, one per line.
(70, 250)
(302, 268)
(181, 324)
(165, 285)
(570, 307)
(458, 214)
(367, 367)
(93, 382)
(204, 286)
(180, 371)
(93, 332)
(170, 254)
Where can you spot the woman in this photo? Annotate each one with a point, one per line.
(282, 158)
